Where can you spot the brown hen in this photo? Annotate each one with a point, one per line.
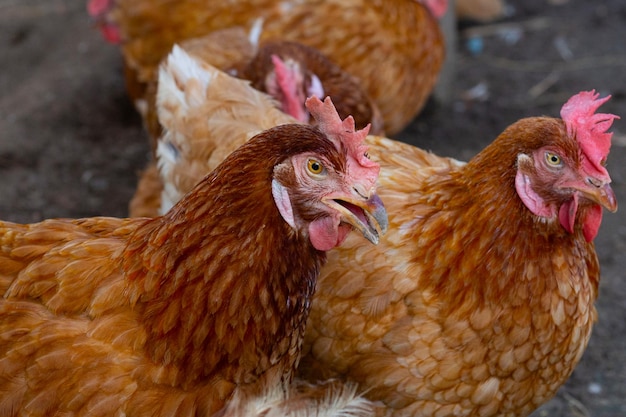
(174, 316)
(480, 299)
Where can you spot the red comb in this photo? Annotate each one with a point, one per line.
(589, 128)
(100, 10)
(342, 133)
(344, 136)
(97, 8)
(436, 7)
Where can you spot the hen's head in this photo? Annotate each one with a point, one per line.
(292, 84)
(562, 175)
(101, 12)
(283, 73)
(290, 72)
(331, 190)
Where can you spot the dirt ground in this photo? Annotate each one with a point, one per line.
(71, 144)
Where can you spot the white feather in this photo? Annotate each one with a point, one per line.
(255, 32)
(336, 401)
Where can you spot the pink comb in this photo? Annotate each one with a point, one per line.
(288, 82)
(100, 10)
(343, 134)
(437, 7)
(340, 132)
(590, 128)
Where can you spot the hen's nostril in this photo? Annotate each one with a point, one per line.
(595, 182)
(360, 192)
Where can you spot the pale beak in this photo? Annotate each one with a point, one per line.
(367, 216)
(599, 192)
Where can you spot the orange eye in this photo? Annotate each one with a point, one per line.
(553, 159)
(315, 167)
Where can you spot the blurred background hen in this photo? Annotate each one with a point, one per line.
(395, 48)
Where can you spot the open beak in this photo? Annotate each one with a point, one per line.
(367, 216)
(599, 192)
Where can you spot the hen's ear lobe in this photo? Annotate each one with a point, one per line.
(283, 202)
(524, 187)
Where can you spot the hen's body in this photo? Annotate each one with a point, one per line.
(469, 307)
(394, 47)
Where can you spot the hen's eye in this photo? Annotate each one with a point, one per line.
(315, 167)
(553, 159)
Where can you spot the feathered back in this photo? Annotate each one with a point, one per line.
(199, 105)
(187, 85)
